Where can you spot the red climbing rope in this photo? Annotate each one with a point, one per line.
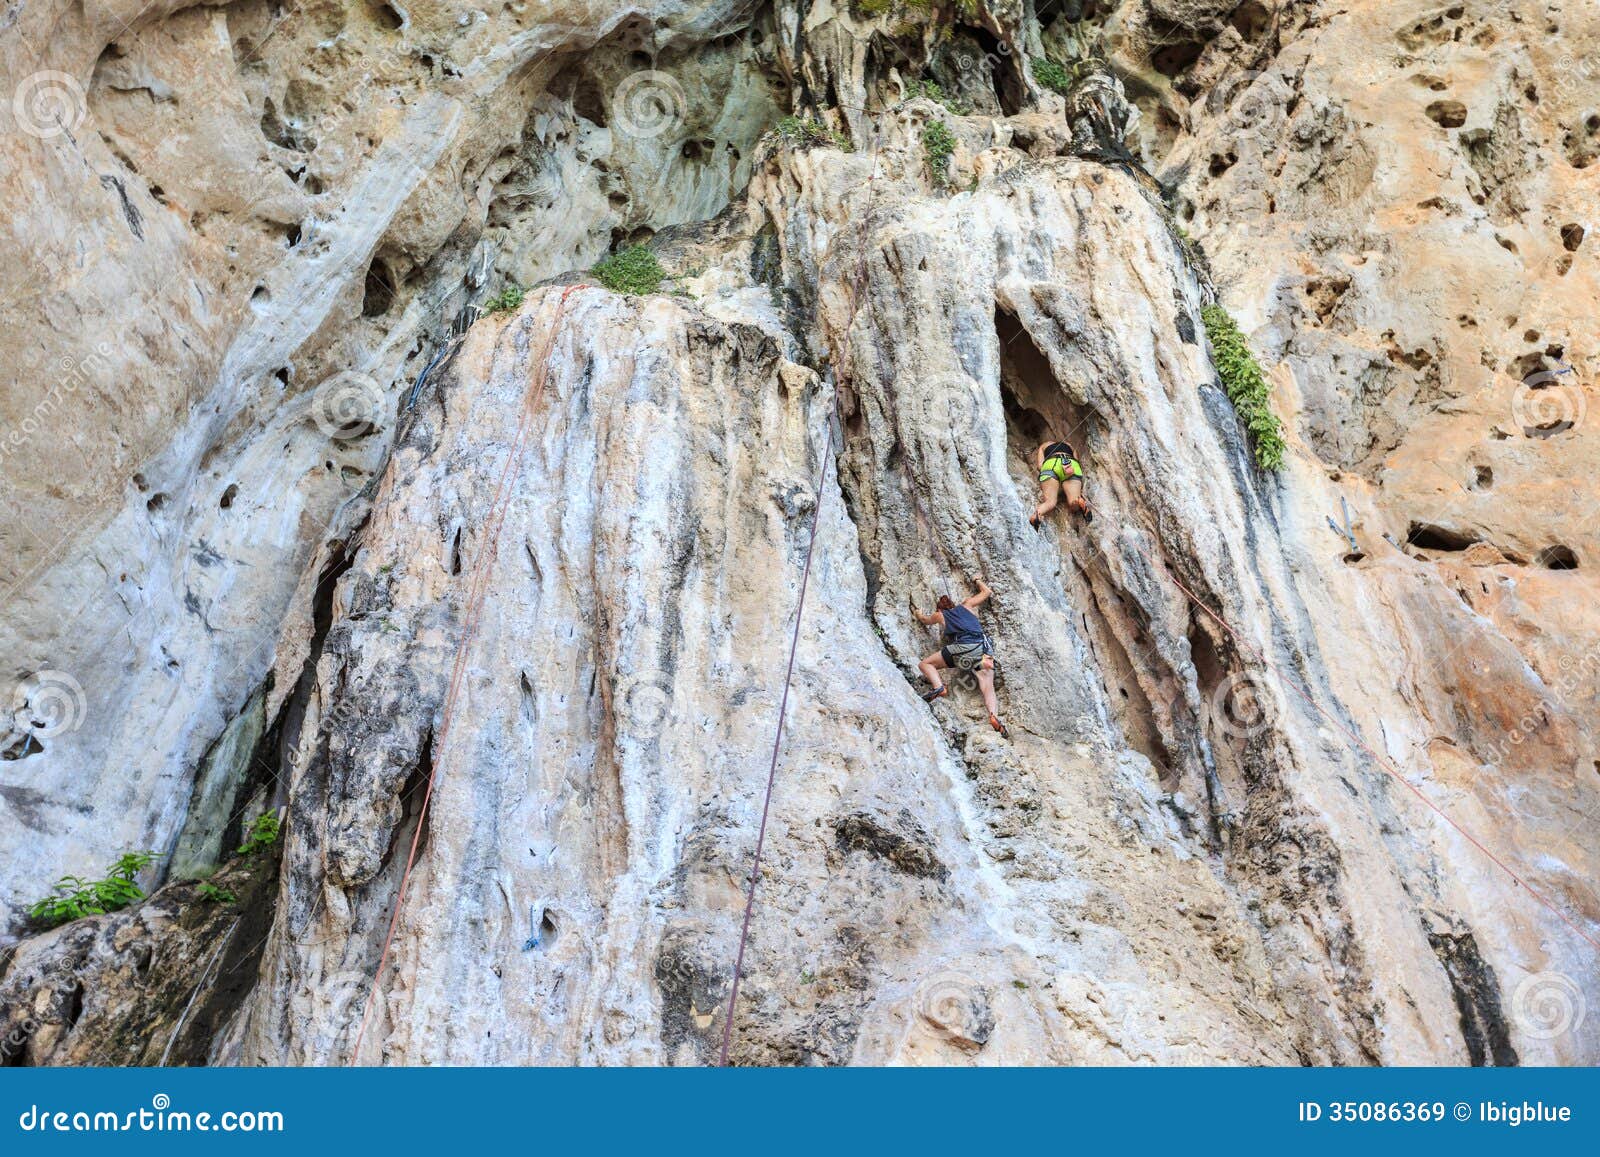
(1364, 746)
(474, 607)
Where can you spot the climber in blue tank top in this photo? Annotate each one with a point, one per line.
(966, 648)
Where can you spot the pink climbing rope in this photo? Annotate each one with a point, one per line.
(474, 607)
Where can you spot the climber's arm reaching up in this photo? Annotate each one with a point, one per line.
(933, 620)
(973, 602)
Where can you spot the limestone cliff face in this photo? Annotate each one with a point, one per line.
(245, 546)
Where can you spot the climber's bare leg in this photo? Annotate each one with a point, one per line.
(1050, 494)
(986, 685)
(930, 668)
(1074, 495)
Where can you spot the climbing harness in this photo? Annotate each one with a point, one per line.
(1356, 739)
(477, 591)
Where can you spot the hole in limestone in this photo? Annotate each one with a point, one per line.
(1557, 557)
(548, 931)
(1429, 536)
(260, 298)
(388, 17)
(228, 496)
(378, 292)
(1250, 20)
(1572, 236)
(1037, 408)
(455, 553)
(157, 501)
(72, 1006)
(1482, 477)
(21, 747)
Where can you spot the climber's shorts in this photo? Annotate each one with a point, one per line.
(963, 656)
(1060, 470)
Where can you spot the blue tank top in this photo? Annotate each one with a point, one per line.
(962, 626)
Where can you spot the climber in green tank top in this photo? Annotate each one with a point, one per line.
(1059, 473)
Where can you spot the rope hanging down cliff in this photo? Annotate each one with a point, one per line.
(843, 372)
(481, 574)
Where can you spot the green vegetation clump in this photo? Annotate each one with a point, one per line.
(807, 132)
(1245, 385)
(635, 271)
(939, 144)
(935, 93)
(215, 895)
(871, 8)
(508, 298)
(74, 897)
(1051, 75)
(262, 834)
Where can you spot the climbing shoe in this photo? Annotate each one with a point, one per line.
(930, 696)
(994, 721)
(1081, 506)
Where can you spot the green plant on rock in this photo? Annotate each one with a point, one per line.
(635, 271)
(511, 297)
(1245, 385)
(939, 145)
(263, 833)
(807, 132)
(871, 8)
(215, 895)
(75, 897)
(1051, 75)
(932, 90)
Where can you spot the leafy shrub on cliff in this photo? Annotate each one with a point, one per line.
(932, 90)
(74, 897)
(635, 270)
(1245, 384)
(1051, 75)
(508, 298)
(939, 144)
(805, 132)
(262, 834)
